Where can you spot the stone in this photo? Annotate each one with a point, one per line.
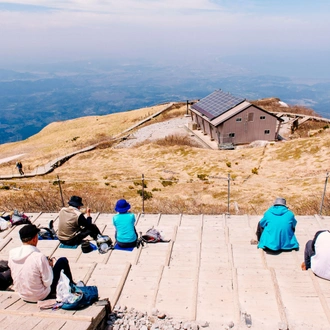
(231, 324)
(154, 311)
(204, 324)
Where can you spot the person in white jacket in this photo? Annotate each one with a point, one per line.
(35, 276)
(317, 254)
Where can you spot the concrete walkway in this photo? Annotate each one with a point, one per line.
(209, 272)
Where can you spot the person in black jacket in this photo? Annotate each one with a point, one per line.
(5, 275)
(20, 167)
(73, 227)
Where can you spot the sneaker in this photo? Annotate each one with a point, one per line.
(80, 284)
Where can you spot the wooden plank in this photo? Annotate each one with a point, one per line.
(45, 324)
(256, 297)
(169, 220)
(25, 322)
(300, 298)
(8, 298)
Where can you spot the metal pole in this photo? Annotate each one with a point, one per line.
(325, 188)
(187, 106)
(59, 184)
(142, 193)
(228, 193)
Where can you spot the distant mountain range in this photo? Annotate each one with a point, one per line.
(30, 100)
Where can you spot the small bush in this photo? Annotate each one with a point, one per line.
(139, 183)
(156, 189)
(176, 140)
(145, 194)
(166, 183)
(75, 138)
(255, 170)
(202, 177)
(130, 187)
(228, 164)
(56, 183)
(5, 187)
(106, 183)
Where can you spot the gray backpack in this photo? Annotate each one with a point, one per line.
(153, 236)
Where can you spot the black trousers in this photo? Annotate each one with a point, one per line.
(92, 230)
(60, 264)
(259, 231)
(127, 244)
(308, 253)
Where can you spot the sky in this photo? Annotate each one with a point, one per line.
(264, 34)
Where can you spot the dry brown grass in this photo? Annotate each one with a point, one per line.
(294, 169)
(171, 140)
(272, 104)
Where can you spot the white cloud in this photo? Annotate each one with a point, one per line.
(156, 28)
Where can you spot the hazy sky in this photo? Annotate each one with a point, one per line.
(292, 32)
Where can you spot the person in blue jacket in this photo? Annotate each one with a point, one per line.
(124, 222)
(276, 229)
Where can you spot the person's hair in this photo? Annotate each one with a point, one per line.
(28, 239)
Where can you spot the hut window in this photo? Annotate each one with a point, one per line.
(231, 134)
(267, 131)
(250, 116)
(262, 117)
(239, 119)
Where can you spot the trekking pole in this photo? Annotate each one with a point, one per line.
(142, 193)
(59, 184)
(228, 194)
(325, 188)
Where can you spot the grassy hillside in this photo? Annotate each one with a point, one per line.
(178, 178)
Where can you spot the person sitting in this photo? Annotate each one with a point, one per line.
(276, 229)
(124, 222)
(5, 275)
(317, 256)
(73, 227)
(34, 275)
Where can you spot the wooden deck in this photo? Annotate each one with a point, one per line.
(208, 272)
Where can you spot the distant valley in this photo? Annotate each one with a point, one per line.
(30, 100)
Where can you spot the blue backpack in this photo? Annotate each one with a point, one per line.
(87, 296)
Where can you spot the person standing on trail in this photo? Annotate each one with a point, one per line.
(276, 229)
(317, 256)
(20, 167)
(73, 227)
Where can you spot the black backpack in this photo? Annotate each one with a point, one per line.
(47, 233)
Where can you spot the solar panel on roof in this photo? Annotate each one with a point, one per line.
(217, 103)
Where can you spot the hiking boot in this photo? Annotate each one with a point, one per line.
(303, 266)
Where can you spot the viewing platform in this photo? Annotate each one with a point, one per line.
(208, 272)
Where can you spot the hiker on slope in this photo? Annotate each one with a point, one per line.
(20, 167)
